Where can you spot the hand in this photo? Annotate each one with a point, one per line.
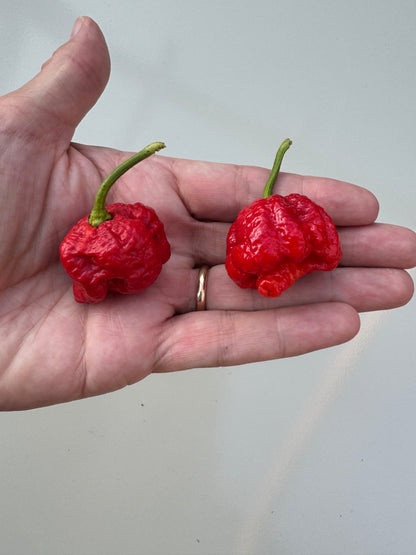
(54, 350)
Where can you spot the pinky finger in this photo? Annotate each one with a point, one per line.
(225, 338)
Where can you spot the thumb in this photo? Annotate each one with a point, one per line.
(69, 83)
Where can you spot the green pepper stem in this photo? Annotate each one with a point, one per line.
(99, 213)
(268, 188)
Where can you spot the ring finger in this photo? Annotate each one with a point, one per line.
(365, 289)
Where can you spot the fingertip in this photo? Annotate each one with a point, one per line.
(77, 26)
(403, 288)
(70, 82)
(89, 34)
(409, 248)
(346, 203)
(356, 205)
(351, 321)
(327, 324)
(373, 205)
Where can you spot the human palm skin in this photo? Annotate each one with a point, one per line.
(55, 350)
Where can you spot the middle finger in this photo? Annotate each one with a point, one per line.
(365, 289)
(374, 245)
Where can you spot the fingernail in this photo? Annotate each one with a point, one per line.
(77, 26)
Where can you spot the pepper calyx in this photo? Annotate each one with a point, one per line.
(99, 213)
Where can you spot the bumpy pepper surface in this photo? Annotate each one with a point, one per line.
(278, 239)
(120, 248)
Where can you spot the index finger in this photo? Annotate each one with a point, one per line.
(217, 192)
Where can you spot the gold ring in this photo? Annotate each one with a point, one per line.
(201, 293)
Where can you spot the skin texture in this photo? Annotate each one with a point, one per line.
(124, 254)
(55, 350)
(276, 240)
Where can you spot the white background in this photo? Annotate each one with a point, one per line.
(311, 455)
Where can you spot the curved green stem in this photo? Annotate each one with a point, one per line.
(99, 213)
(268, 189)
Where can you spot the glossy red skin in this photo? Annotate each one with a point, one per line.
(124, 254)
(276, 240)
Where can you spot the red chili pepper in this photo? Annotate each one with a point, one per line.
(277, 239)
(120, 248)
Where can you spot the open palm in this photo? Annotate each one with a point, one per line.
(54, 350)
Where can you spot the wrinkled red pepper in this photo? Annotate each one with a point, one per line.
(120, 248)
(278, 239)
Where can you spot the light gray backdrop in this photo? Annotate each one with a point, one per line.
(312, 455)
